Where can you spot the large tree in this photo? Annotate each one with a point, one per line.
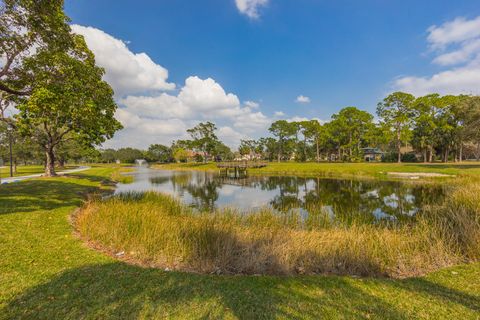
(427, 109)
(470, 110)
(247, 147)
(352, 126)
(159, 153)
(28, 28)
(284, 131)
(396, 112)
(129, 155)
(449, 126)
(68, 100)
(267, 147)
(204, 138)
(313, 131)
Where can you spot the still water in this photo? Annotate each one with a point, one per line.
(371, 200)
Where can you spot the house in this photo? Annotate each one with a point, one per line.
(372, 154)
(248, 157)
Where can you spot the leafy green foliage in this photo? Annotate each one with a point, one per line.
(204, 138)
(28, 28)
(69, 101)
(158, 153)
(351, 127)
(284, 131)
(396, 112)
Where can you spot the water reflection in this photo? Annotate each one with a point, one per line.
(346, 200)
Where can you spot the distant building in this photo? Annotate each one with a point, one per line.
(372, 154)
(248, 157)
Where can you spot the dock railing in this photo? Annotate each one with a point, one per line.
(241, 164)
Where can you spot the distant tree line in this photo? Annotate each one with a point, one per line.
(203, 146)
(427, 128)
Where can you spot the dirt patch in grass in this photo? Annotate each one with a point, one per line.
(417, 175)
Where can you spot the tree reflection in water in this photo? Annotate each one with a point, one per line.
(339, 200)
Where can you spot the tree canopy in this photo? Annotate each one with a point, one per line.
(69, 100)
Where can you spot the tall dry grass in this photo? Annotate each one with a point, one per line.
(157, 230)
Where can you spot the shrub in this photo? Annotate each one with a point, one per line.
(393, 157)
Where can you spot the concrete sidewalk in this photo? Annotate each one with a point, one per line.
(39, 175)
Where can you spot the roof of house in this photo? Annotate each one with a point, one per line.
(372, 150)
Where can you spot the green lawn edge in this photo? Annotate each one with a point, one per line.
(46, 272)
(341, 169)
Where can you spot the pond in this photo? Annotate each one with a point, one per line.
(344, 199)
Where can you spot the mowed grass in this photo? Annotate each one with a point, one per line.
(27, 170)
(378, 170)
(47, 273)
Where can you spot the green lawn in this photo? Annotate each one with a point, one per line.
(344, 169)
(47, 273)
(26, 170)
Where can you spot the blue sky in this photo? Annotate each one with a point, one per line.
(265, 53)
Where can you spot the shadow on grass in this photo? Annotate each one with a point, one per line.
(440, 292)
(122, 291)
(117, 290)
(41, 194)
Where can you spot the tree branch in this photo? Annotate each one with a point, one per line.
(7, 89)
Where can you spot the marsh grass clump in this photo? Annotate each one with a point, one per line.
(158, 230)
(458, 221)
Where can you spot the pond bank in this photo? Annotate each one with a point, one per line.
(157, 230)
(359, 170)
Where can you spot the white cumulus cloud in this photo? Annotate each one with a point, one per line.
(151, 113)
(206, 95)
(302, 99)
(252, 104)
(250, 7)
(127, 72)
(456, 45)
(455, 31)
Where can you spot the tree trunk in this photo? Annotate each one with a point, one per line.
(460, 152)
(399, 144)
(425, 155)
(350, 153)
(399, 147)
(304, 149)
(430, 154)
(445, 156)
(50, 163)
(318, 152)
(280, 150)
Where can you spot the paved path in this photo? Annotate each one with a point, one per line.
(38, 175)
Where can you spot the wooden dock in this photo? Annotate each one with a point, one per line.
(238, 169)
